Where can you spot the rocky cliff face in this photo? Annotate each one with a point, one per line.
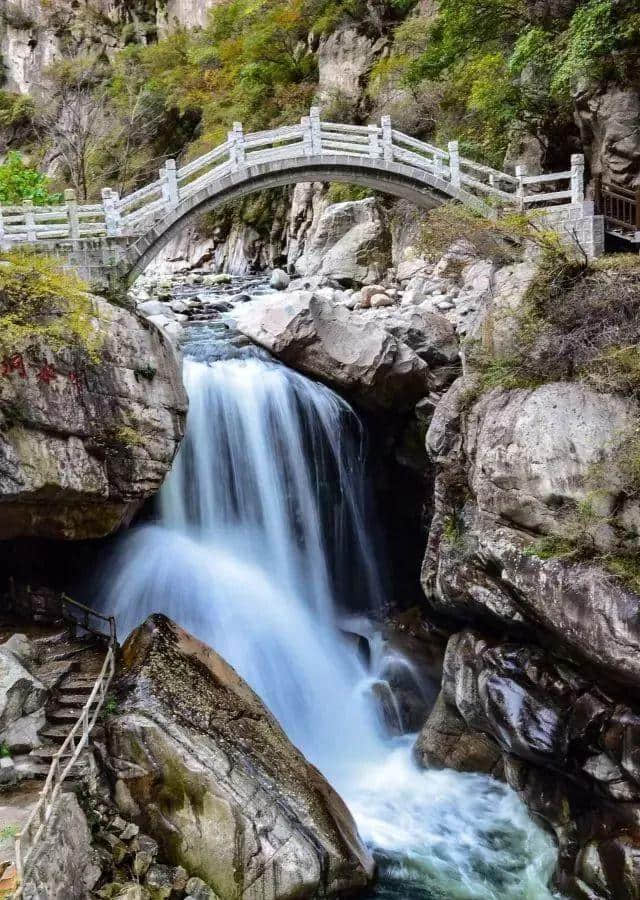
(84, 442)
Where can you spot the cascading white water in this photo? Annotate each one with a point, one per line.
(263, 540)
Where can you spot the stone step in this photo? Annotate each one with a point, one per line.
(52, 673)
(47, 752)
(68, 714)
(27, 767)
(77, 699)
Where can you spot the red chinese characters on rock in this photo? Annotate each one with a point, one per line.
(47, 373)
(13, 363)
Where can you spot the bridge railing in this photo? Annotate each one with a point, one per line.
(135, 213)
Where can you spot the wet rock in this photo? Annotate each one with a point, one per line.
(279, 280)
(195, 751)
(446, 742)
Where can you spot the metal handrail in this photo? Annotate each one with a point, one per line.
(25, 842)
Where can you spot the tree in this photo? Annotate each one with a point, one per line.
(19, 182)
(74, 121)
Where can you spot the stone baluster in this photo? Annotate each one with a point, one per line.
(387, 138)
(29, 220)
(237, 153)
(112, 221)
(454, 162)
(307, 137)
(3, 241)
(316, 130)
(521, 172)
(577, 178)
(169, 178)
(72, 214)
(374, 141)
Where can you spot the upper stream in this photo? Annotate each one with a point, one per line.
(263, 543)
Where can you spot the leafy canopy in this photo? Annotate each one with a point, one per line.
(19, 182)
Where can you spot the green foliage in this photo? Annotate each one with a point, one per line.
(15, 109)
(39, 300)
(19, 182)
(341, 193)
(110, 706)
(147, 371)
(4, 750)
(7, 832)
(453, 531)
(504, 69)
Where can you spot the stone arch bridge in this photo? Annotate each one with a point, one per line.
(116, 239)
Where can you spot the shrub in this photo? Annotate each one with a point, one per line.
(341, 193)
(39, 300)
(19, 182)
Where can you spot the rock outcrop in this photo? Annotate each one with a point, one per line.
(560, 738)
(84, 442)
(64, 865)
(205, 769)
(349, 242)
(324, 340)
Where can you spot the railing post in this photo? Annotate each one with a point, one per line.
(521, 171)
(437, 166)
(374, 141)
(72, 214)
(316, 131)
(2, 235)
(169, 177)
(29, 220)
(236, 150)
(637, 216)
(307, 138)
(454, 162)
(387, 138)
(111, 212)
(577, 178)
(239, 144)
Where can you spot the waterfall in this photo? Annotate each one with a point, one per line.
(263, 543)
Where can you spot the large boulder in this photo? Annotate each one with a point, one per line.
(21, 693)
(608, 115)
(84, 442)
(64, 866)
(532, 453)
(327, 341)
(204, 768)
(349, 242)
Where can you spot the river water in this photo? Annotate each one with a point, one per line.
(263, 540)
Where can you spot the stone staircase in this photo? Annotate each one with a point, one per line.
(69, 669)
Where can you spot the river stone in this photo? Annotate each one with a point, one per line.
(325, 341)
(279, 280)
(78, 459)
(216, 781)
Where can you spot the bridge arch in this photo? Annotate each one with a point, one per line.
(397, 179)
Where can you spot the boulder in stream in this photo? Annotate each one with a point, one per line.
(202, 766)
(325, 341)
